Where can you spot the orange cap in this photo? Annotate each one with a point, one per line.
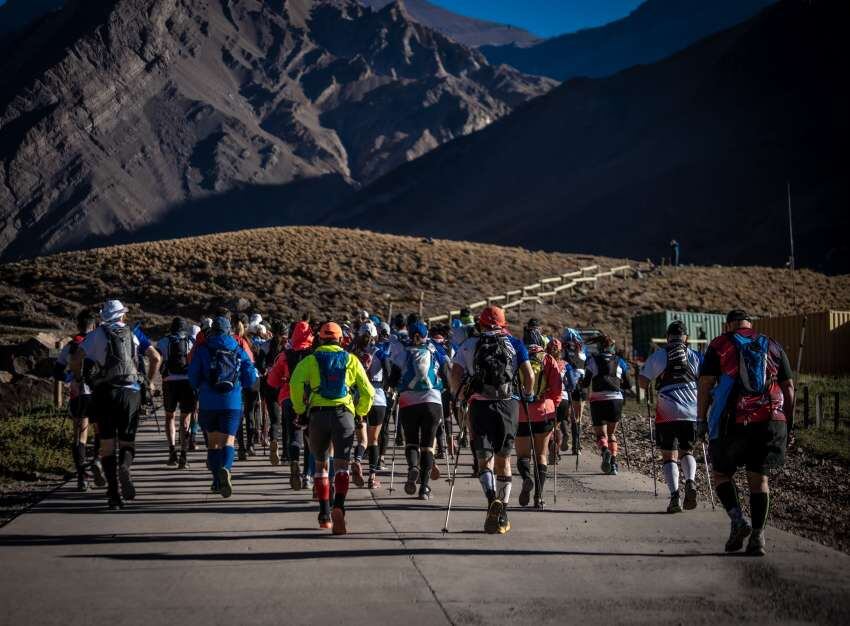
(492, 317)
(330, 330)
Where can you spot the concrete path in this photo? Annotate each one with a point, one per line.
(605, 554)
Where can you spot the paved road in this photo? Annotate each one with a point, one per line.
(604, 554)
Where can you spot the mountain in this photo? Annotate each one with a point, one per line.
(653, 31)
(463, 29)
(698, 147)
(178, 116)
(16, 15)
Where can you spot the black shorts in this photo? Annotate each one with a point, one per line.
(494, 425)
(678, 435)
(420, 422)
(81, 406)
(376, 415)
(116, 410)
(758, 446)
(606, 412)
(178, 393)
(538, 428)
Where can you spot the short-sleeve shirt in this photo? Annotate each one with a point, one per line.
(64, 358)
(398, 357)
(95, 345)
(676, 402)
(162, 346)
(465, 357)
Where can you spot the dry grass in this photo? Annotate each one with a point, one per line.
(332, 272)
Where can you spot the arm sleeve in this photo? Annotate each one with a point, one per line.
(365, 390)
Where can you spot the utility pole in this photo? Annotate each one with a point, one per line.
(792, 264)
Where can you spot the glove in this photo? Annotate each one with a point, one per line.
(528, 398)
(702, 430)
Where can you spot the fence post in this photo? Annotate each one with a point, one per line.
(837, 416)
(57, 386)
(805, 406)
(818, 409)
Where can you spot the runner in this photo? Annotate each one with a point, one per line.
(747, 380)
(676, 367)
(330, 372)
(537, 419)
(80, 405)
(275, 390)
(492, 361)
(176, 390)
(218, 371)
(248, 433)
(605, 378)
(420, 402)
(576, 357)
(106, 360)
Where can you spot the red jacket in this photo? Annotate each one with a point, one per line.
(302, 336)
(278, 377)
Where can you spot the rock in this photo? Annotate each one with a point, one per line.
(25, 391)
(34, 347)
(22, 365)
(239, 305)
(5, 377)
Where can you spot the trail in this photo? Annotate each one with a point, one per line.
(605, 554)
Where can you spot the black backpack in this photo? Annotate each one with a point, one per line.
(678, 370)
(119, 366)
(177, 363)
(606, 378)
(493, 371)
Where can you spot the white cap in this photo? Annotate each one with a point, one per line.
(112, 311)
(368, 328)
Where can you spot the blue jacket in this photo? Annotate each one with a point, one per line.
(199, 374)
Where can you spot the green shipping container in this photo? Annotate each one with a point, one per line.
(702, 328)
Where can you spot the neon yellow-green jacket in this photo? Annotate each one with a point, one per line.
(307, 374)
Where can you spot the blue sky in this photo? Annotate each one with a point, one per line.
(544, 17)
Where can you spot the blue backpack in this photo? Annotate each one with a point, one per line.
(753, 363)
(420, 373)
(332, 369)
(224, 370)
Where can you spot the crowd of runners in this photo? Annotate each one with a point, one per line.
(323, 398)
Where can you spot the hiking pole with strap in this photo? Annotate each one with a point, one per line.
(555, 478)
(395, 447)
(453, 477)
(708, 476)
(152, 410)
(652, 441)
(626, 443)
(533, 451)
(574, 432)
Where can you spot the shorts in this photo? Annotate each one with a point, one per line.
(81, 406)
(420, 422)
(331, 424)
(606, 412)
(494, 425)
(220, 420)
(579, 394)
(376, 416)
(116, 411)
(678, 435)
(538, 428)
(178, 393)
(760, 446)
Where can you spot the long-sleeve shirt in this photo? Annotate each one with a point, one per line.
(307, 374)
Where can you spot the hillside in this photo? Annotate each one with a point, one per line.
(698, 147)
(283, 272)
(117, 116)
(466, 30)
(654, 30)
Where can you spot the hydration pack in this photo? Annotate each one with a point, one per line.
(754, 368)
(493, 371)
(537, 361)
(119, 366)
(332, 369)
(678, 370)
(606, 378)
(177, 363)
(420, 373)
(571, 377)
(224, 370)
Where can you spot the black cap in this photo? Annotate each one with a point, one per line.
(179, 325)
(533, 323)
(738, 315)
(677, 327)
(279, 327)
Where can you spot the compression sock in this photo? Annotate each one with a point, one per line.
(228, 454)
(341, 481)
(671, 476)
(601, 442)
(323, 492)
(613, 445)
(374, 457)
(689, 466)
(359, 451)
(524, 467)
(214, 461)
(79, 452)
(541, 478)
(411, 453)
(728, 496)
(759, 508)
(426, 462)
(488, 484)
(503, 489)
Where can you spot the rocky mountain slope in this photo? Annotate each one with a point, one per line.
(697, 147)
(654, 30)
(128, 114)
(463, 29)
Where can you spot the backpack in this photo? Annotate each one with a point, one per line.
(119, 366)
(606, 378)
(678, 370)
(177, 363)
(420, 373)
(224, 370)
(571, 377)
(541, 384)
(332, 369)
(754, 368)
(493, 370)
(533, 337)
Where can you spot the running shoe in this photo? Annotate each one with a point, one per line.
(615, 467)
(357, 473)
(739, 531)
(424, 493)
(82, 483)
(525, 492)
(756, 544)
(115, 504)
(242, 455)
(606, 461)
(97, 473)
(539, 503)
(325, 521)
(172, 458)
(125, 479)
(690, 495)
(494, 514)
(382, 467)
(295, 481)
(410, 484)
(464, 441)
(251, 451)
(307, 481)
(338, 521)
(183, 463)
(435, 472)
(224, 480)
(674, 506)
(441, 454)
(214, 488)
(565, 443)
(374, 483)
(399, 439)
(274, 457)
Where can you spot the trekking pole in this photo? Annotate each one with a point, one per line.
(152, 409)
(574, 432)
(533, 450)
(395, 446)
(626, 443)
(652, 441)
(555, 479)
(708, 476)
(453, 476)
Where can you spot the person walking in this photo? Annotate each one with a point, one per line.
(674, 253)
(274, 390)
(375, 362)
(327, 375)
(219, 370)
(745, 399)
(676, 367)
(575, 356)
(497, 368)
(177, 393)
